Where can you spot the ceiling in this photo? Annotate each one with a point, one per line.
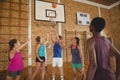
(105, 2)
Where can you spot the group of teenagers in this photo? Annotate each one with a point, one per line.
(99, 49)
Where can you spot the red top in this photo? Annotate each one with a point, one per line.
(16, 63)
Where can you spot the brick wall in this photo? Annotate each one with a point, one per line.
(14, 20)
(115, 25)
(13, 24)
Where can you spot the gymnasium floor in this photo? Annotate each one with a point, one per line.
(27, 73)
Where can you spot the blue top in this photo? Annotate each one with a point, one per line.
(57, 50)
(41, 50)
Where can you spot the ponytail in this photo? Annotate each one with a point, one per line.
(11, 43)
(37, 39)
(77, 40)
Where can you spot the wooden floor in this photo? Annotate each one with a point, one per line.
(28, 72)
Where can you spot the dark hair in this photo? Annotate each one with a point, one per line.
(98, 23)
(60, 37)
(77, 40)
(37, 38)
(11, 43)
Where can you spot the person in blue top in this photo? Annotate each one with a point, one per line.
(40, 56)
(57, 55)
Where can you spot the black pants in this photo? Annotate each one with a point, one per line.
(43, 58)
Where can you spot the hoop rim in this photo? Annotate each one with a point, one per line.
(53, 22)
(51, 18)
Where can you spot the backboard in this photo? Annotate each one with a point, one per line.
(44, 10)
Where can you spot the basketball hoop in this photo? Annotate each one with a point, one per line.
(52, 18)
(52, 21)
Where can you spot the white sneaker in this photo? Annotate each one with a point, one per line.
(53, 77)
(61, 78)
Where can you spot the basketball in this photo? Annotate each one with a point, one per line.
(54, 5)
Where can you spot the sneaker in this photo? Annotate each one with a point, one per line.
(53, 77)
(61, 78)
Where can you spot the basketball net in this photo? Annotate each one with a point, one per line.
(52, 19)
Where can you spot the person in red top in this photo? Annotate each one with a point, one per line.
(16, 65)
(99, 49)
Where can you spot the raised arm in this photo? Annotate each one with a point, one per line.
(92, 60)
(47, 39)
(52, 39)
(52, 36)
(62, 44)
(12, 52)
(22, 45)
(114, 50)
(56, 35)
